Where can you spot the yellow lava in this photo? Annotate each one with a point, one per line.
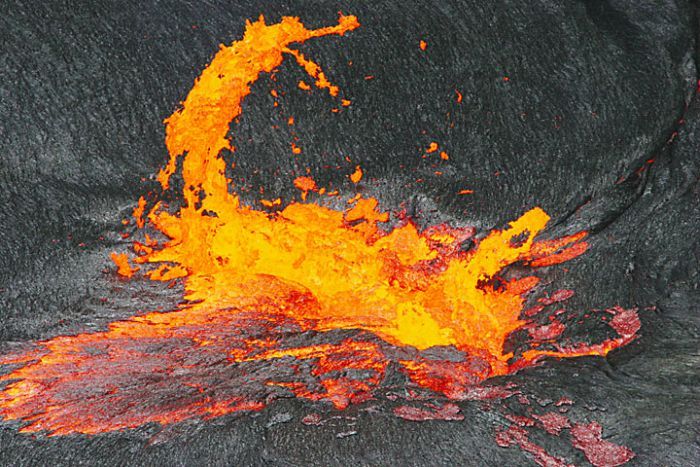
(404, 286)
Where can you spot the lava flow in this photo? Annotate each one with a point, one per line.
(306, 301)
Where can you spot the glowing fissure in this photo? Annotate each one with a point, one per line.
(255, 279)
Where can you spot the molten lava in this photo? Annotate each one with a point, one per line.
(307, 301)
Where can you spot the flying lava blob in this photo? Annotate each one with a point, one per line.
(307, 301)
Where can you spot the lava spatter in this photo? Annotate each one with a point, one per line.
(306, 301)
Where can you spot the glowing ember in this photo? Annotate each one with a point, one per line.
(308, 301)
(356, 176)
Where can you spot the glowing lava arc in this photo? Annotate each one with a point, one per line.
(309, 301)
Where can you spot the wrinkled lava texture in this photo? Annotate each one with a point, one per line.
(431, 233)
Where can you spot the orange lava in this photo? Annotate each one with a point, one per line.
(124, 268)
(355, 289)
(356, 176)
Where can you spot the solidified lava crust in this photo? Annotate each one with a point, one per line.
(303, 300)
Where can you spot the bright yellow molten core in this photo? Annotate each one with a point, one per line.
(408, 287)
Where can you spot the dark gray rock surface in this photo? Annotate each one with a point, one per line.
(595, 89)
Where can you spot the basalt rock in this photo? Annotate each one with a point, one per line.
(587, 109)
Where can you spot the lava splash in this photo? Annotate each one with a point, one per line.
(304, 301)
